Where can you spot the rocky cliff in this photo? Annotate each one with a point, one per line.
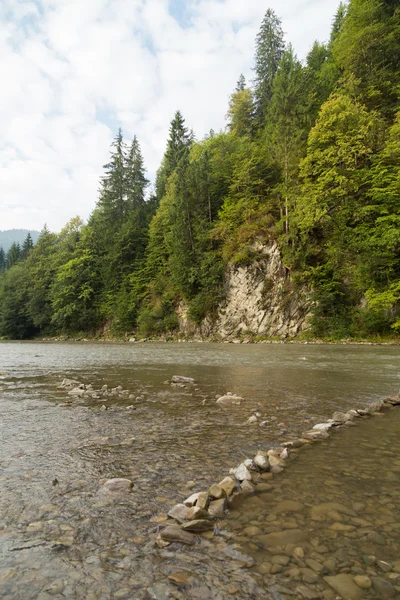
(260, 299)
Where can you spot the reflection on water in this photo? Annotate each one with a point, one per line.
(55, 538)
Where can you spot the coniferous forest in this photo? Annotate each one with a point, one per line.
(310, 158)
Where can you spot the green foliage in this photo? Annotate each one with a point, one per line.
(270, 46)
(310, 158)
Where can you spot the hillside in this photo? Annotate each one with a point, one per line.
(287, 220)
(9, 236)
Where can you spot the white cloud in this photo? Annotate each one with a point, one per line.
(73, 71)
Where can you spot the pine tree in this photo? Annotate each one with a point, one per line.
(27, 246)
(13, 255)
(286, 131)
(3, 261)
(177, 152)
(135, 177)
(241, 84)
(112, 200)
(270, 46)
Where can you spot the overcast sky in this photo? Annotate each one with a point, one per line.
(73, 71)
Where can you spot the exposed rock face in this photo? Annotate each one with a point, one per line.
(260, 299)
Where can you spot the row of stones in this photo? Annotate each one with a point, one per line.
(198, 512)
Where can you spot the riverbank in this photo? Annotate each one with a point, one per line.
(81, 337)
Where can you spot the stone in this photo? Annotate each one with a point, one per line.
(217, 492)
(69, 383)
(280, 559)
(261, 461)
(344, 585)
(229, 400)
(376, 538)
(363, 582)
(252, 420)
(77, 392)
(307, 593)
(247, 487)
(195, 512)
(198, 525)
(217, 508)
(179, 512)
(174, 533)
(383, 588)
(274, 461)
(242, 473)
(288, 506)
(323, 426)
(384, 566)
(315, 434)
(117, 487)
(180, 579)
(191, 501)
(321, 510)
(180, 379)
(228, 484)
(340, 417)
(202, 500)
(299, 552)
(314, 565)
(282, 538)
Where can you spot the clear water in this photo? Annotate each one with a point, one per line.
(56, 541)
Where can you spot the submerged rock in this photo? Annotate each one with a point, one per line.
(198, 525)
(229, 400)
(181, 379)
(116, 488)
(344, 585)
(282, 538)
(174, 533)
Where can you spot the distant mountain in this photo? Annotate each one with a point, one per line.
(9, 236)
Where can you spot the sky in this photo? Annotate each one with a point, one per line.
(73, 71)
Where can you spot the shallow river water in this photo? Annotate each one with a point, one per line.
(57, 540)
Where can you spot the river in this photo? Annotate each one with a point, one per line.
(58, 540)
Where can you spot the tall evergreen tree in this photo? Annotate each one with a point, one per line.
(112, 199)
(270, 46)
(177, 151)
(286, 131)
(135, 177)
(27, 246)
(241, 84)
(13, 255)
(3, 261)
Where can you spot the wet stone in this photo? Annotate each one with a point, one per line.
(174, 533)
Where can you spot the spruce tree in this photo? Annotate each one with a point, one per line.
(177, 152)
(112, 200)
(135, 177)
(286, 131)
(270, 46)
(27, 246)
(241, 84)
(13, 255)
(3, 262)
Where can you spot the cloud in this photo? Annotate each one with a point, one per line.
(72, 72)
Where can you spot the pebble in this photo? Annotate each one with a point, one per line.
(363, 581)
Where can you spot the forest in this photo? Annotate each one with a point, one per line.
(310, 157)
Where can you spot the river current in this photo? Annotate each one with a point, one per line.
(58, 541)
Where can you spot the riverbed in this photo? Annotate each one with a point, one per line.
(58, 540)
